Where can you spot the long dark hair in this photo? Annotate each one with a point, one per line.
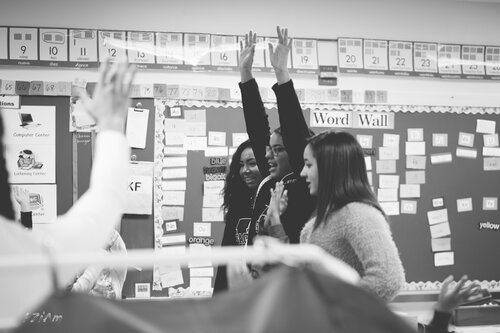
(342, 177)
(6, 209)
(236, 191)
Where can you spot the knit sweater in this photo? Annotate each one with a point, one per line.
(359, 235)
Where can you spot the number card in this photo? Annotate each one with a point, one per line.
(3, 44)
(112, 44)
(54, 44)
(492, 60)
(82, 45)
(449, 62)
(425, 58)
(473, 60)
(375, 56)
(440, 139)
(259, 57)
(401, 57)
(350, 55)
(197, 49)
(274, 42)
(305, 54)
(141, 47)
(23, 44)
(224, 52)
(169, 48)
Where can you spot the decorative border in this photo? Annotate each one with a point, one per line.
(157, 189)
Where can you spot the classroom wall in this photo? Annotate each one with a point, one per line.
(455, 21)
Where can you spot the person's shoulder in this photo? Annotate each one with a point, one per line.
(361, 211)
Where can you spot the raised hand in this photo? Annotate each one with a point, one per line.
(22, 197)
(451, 298)
(279, 55)
(111, 96)
(247, 52)
(277, 205)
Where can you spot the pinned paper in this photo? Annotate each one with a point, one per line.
(195, 116)
(485, 126)
(173, 151)
(216, 151)
(389, 153)
(195, 143)
(444, 259)
(175, 139)
(203, 249)
(142, 290)
(387, 194)
(200, 283)
(140, 189)
(415, 134)
(175, 161)
(391, 140)
(173, 185)
(172, 213)
(490, 140)
(213, 200)
(368, 163)
(440, 230)
(238, 138)
(466, 152)
(440, 140)
(173, 239)
(437, 216)
(366, 141)
(196, 129)
(169, 226)
(388, 181)
(491, 151)
(441, 244)
(409, 191)
(415, 148)
(386, 166)
(466, 139)
(390, 208)
(216, 138)
(137, 127)
(437, 202)
(408, 207)
(491, 164)
(415, 162)
(213, 187)
(170, 275)
(172, 173)
(174, 198)
(202, 229)
(490, 203)
(464, 205)
(201, 271)
(212, 215)
(441, 158)
(415, 177)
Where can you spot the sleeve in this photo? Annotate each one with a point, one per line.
(257, 123)
(439, 322)
(229, 238)
(277, 231)
(89, 223)
(294, 129)
(369, 235)
(27, 219)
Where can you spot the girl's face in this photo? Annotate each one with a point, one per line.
(249, 171)
(310, 170)
(277, 157)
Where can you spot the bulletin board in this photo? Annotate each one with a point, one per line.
(461, 178)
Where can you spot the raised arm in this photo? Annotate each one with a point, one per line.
(254, 112)
(294, 128)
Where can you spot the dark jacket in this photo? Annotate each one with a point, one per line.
(295, 132)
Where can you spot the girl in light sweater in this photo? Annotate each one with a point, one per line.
(348, 222)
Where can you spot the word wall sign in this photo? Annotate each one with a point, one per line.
(403, 58)
(87, 48)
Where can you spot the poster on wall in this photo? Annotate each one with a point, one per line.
(140, 190)
(42, 202)
(30, 143)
